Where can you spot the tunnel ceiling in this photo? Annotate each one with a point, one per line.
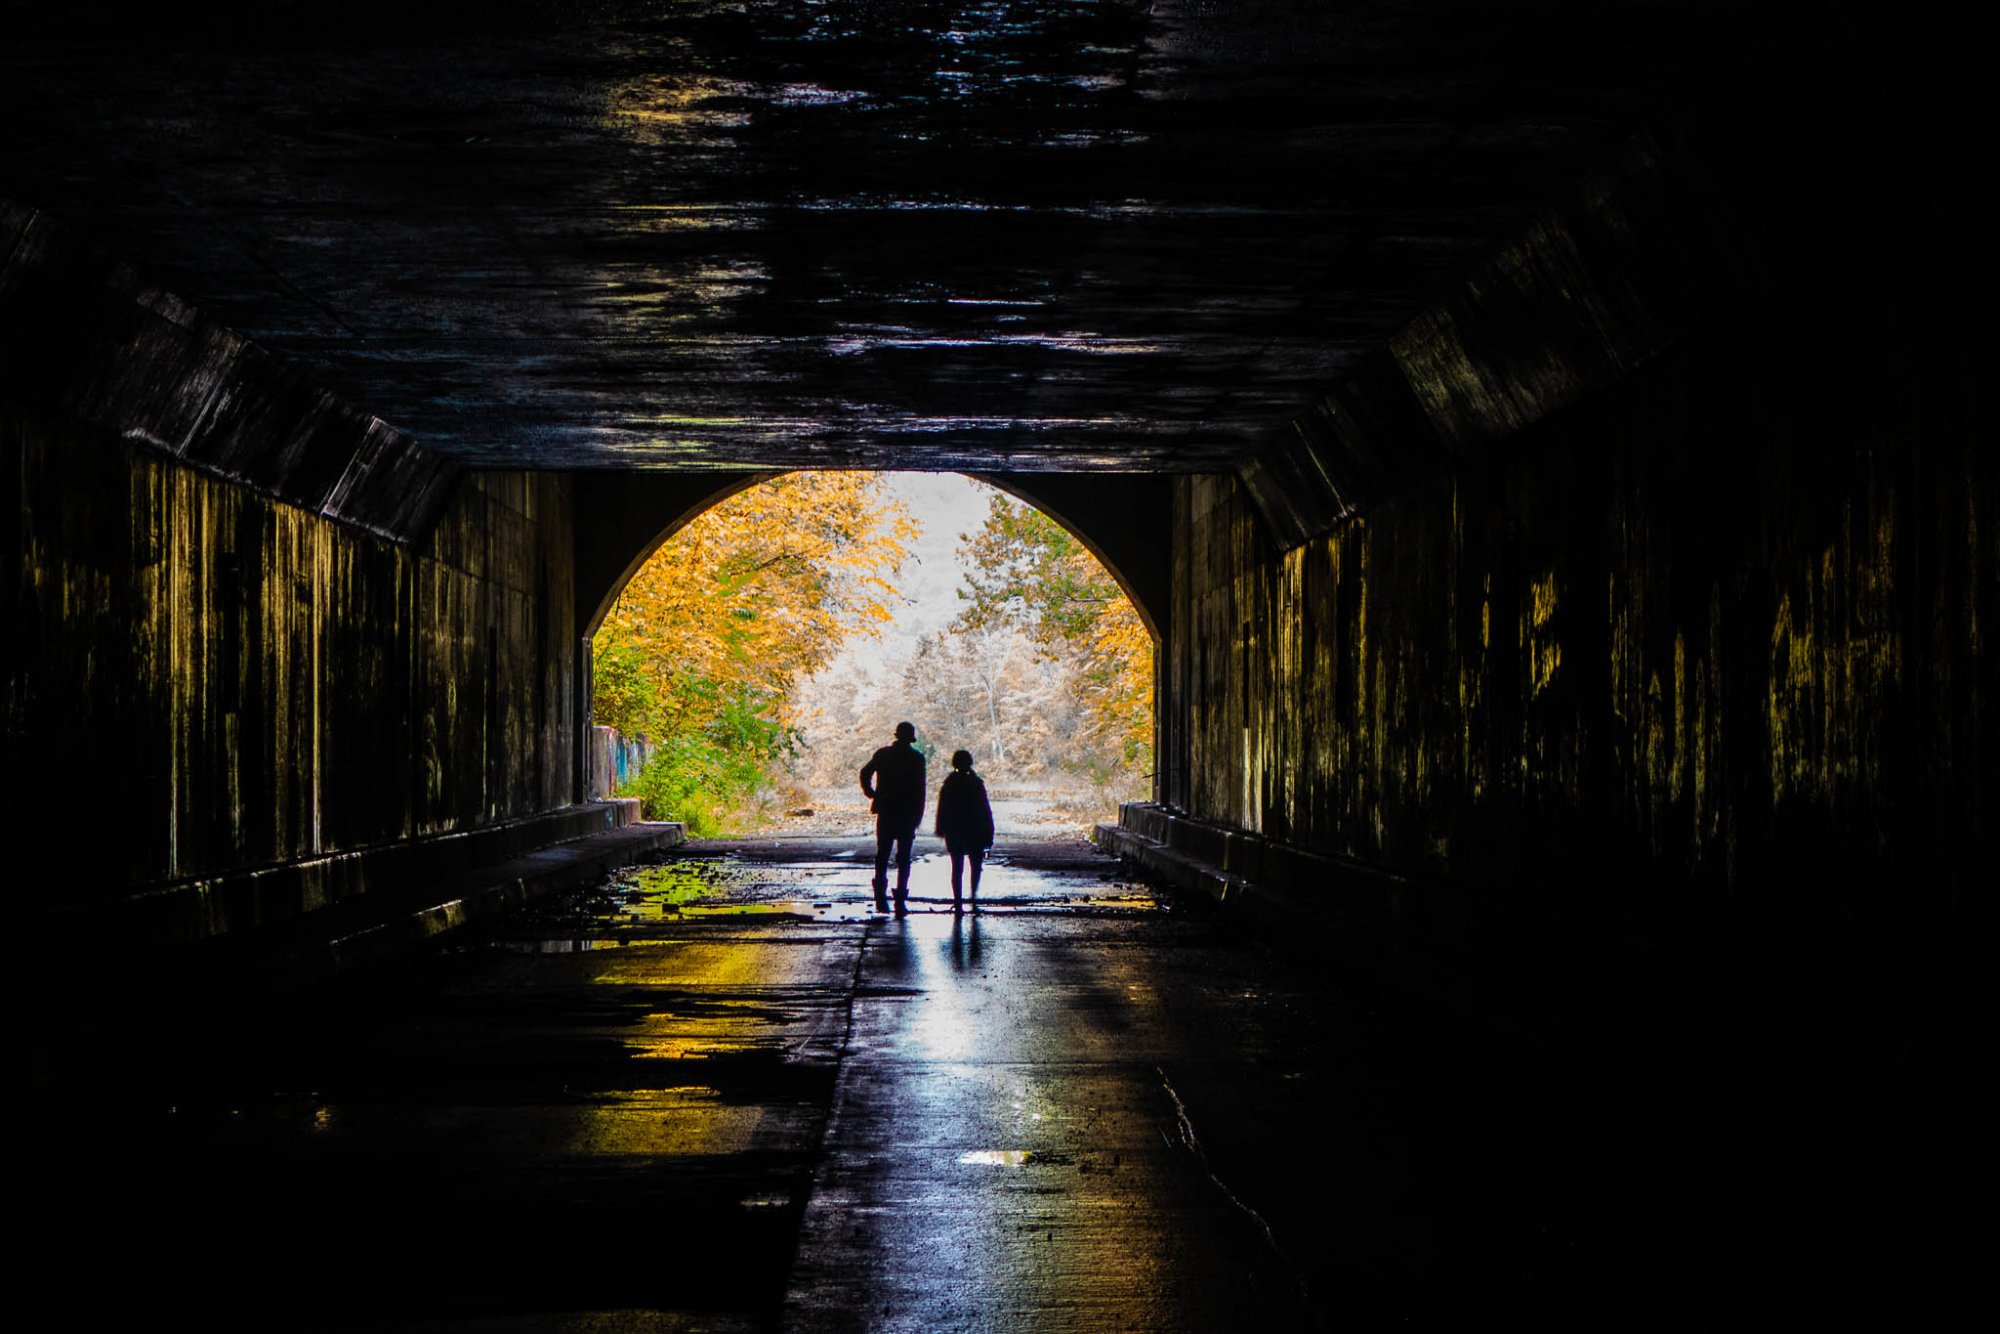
(1039, 234)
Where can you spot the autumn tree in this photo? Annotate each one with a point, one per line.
(1026, 571)
(703, 650)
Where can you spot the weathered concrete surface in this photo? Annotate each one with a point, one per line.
(1283, 889)
(1593, 680)
(85, 339)
(1033, 236)
(528, 1127)
(1622, 563)
(726, 1095)
(261, 685)
(1668, 611)
(1006, 1150)
(248, 904)
(473, 896)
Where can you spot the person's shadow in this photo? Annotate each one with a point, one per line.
(964, 944)
(894, 953)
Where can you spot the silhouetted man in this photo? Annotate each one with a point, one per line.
(894, 777)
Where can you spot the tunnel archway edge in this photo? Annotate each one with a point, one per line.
(1124, 520)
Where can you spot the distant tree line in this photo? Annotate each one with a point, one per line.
(1046, 674)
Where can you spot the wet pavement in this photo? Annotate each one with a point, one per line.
(720, 1092)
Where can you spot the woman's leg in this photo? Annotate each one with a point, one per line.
(978, 856)
(958, 873)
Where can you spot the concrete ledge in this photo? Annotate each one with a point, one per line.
(95, 343)
(1486, 959)
(1267, 883)
(481, 895)
(262, 898)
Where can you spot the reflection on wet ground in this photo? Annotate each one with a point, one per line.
(998, 1154)
(721, 1092)
(817, 880)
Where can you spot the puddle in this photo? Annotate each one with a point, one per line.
(639, 906)
(998, 1157)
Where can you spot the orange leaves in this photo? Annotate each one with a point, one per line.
(758, 592)
(1120, 654)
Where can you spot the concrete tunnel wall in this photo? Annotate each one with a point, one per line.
(1672, 630)
(232, 682)
(249, 626)
(1639, 582)
(266, 631)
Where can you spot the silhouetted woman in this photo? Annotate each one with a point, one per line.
(965, 823)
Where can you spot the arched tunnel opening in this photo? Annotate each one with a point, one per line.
(760, 650)
(1539, 440)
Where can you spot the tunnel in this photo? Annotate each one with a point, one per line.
(1538, 435)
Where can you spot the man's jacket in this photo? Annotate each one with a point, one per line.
(894, 777)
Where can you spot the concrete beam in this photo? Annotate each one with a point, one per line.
(85, 339)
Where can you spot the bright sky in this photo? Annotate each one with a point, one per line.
(947, 505)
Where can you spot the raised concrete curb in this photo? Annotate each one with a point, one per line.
(487, 893)
(1486, 959)
(1341, 914)
(348, 894)
(1268, 883)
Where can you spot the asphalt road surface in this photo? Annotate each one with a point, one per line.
(722, 1093)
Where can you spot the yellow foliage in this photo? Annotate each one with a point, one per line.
(758, 592)
(1120, 652)
(1030, 572)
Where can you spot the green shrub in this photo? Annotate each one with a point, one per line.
(702, 779)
